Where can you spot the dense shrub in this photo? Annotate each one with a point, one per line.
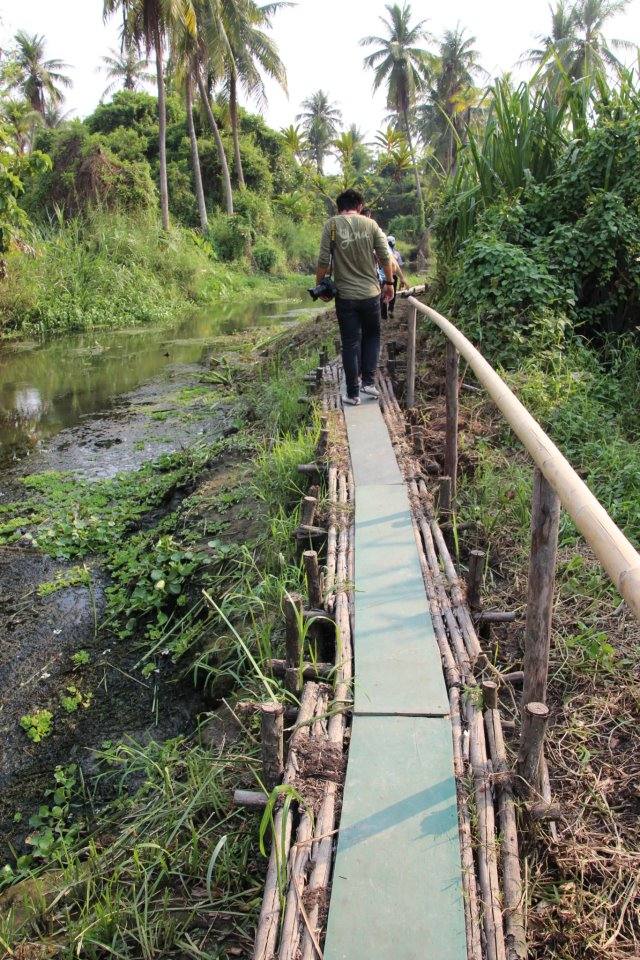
(267, 256)
(85, 173)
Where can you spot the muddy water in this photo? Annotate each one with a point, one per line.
(47, 387)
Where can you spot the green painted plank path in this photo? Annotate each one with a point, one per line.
(397, 884)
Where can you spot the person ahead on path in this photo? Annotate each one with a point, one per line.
(354, 240)
(398, 277)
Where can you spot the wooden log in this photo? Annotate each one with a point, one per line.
(541, 810)
(469, 884)
(487, 845)
(332, 533)
(515, 939)
(515, 677)
(545, 790)
(324, 357)
(308, 511)
(314, 535)
(451, 429)
(410, 393)
(337, 345)
(310, 671)
(319, 372)
(314, 578)
(391, 349)
(311, 470)
(444, 496)
(545, 517)
(534, 724)
(474, 578)
(298, 864)
(251, 799)
(272, 742)
(497, 616)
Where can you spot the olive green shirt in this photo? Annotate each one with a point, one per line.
(354, 269)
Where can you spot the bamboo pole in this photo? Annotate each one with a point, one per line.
(487, 855)
(267, 929)
(314, 578)
(272, 741)
(545, 518)
(332, 532)
(474, 578)
(515, 939)
(534, 724)
(444, 497)
(411, 358)
(469, 885)
(451, 432)
(293, 643)
(308, 511)
(612, 548)
(251, 799)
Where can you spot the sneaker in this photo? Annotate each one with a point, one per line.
(354, 401)
(369, 389)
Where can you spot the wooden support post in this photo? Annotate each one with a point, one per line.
(391, 367)
(308, 511)
(324, 357)
(293, 620)
(314, 578)
(272, 734)
(545, 517)
(410, 395)
(451, 434)
(337, 345)
(318, 376)
(444, 496)
(391, 349)
(534, 725)
(474, 578)
(490, 695)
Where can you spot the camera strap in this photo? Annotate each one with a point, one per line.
(332, 248)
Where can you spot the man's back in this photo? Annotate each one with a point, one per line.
(357, 238)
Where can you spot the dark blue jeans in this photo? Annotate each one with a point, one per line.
(359, 322)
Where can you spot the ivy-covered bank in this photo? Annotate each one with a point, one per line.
(128, 844)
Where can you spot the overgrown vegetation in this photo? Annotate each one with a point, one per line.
(149, 857)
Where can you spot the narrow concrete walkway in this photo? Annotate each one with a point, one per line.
(397, 885)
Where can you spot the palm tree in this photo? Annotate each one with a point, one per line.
(148, 22)
(249, 50)
(21, 120)
(405, 67)
(451, 98)
(126, 67)
(592, 53)
(576, 47)
(38, 79)
(212, 47)
(184, 56)
(320, 120)
(295, 140)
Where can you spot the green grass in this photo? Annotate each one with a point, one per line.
(110, 270)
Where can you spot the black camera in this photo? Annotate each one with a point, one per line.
(325, 289)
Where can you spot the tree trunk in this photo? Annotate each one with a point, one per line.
(162, 136)
(421, 219)
(233, 113)
(195, 158)
(222, 157)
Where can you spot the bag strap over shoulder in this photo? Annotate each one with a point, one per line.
(332, 245)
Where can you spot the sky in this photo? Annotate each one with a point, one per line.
(318, 42)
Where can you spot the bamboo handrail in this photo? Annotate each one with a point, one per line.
(616, 554)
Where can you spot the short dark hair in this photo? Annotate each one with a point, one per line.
(349, 200)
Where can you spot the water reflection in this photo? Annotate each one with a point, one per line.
(47, 386)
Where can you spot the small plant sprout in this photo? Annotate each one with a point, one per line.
(37, 725)
(80, 658)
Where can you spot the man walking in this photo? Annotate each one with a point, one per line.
(349, 241)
